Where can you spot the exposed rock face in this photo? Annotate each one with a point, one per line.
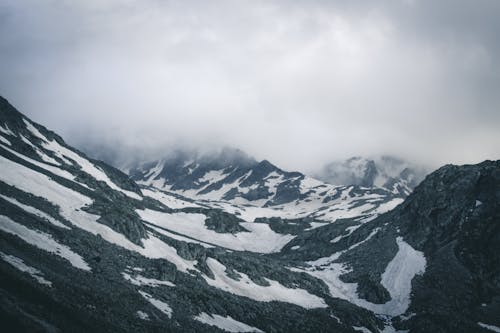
(77, 235)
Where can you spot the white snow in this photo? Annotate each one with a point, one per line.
(142, 315)
(85, 165)
(179, 237)
(30, 127)
(70, 203)
(139, 280)
(154, 172)
(336, 239)
(212, 177)
(478, 203)
(396, 279)
(295, 247)
(6, 130)
(56, 171)
(162, 306)
(4, 140)
(361, 329)
(168, 200)
(20, 265)
(309, 183)
(247, 288)
(398, 275)
(227, 323)
(34, 211)
(42, 241)
(490, 327)
(260, 238)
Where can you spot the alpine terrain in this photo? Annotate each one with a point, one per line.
(224, 243)
(391, 173)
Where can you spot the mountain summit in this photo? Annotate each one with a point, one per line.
(390, 173)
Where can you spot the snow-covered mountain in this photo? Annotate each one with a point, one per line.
(391, 173)
(231, 180)
(84, 248)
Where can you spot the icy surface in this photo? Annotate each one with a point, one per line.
(260, 238)
(247, 288)
(227, 323)
(20, 265)
(162, 306)
(42, 241)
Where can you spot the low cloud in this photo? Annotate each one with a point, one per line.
(300, 83)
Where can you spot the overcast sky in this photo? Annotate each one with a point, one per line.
(300, 83)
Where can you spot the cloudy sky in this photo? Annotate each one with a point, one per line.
(297, 82)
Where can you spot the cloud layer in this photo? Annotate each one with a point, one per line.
(297, 82)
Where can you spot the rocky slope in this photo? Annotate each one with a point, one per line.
(236, 183)
(77, 235)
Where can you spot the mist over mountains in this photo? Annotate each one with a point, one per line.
(388, 172)
(266, 166)
(224, 242)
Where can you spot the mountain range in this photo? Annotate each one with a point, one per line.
(222, 242)
(388, 172)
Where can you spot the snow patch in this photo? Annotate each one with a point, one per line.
(227, 323)
(396, 278)
(70, 203)
(142, 315)
(42, 241)
(490, 327)
(34, 211)
(179, 237)
(87, 167)
(247, 288)
(20, 265)
(260, 238)
(139, 280)
(168, 200)
(162, 306)
(6, 130)
(4, 140)
(398, 275)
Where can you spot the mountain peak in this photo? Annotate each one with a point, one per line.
(389, 172)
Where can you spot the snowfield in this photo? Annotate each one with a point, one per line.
(227, 323)
(20, 265)
(260, 238)
(160, 305)
(70, 203)
(42, 241)
(396, 278)
(247, 288)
